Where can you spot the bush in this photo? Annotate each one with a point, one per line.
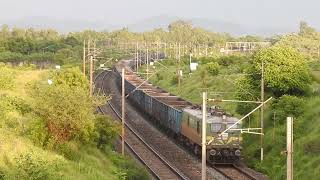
(229, 60)
(71, 77)
(106, 130)
(174, 80)
(159, 77)
(213, 68)
(70, 150)
(30, 165)
(6, 78)
(288, 106)
(67, 112)
(129, 169)
(37, 132)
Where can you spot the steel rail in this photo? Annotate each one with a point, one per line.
(161, 158)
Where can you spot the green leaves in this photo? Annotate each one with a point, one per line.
(213, 68)
(285, 70)
(65, 106)
(6, 78)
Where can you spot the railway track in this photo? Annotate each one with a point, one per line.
(189, 169)
(234, 172)
(157, 165)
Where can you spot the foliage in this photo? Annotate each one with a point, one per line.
(66, 111)
(129, 170)
(288, 106)
(71, 77)
(203, 75)
(32, 166)
(285, 70)
(106, 130)
(6, 78)
(306, 41)
(159, 77)
(229, 60)
(213, 68)
(246, 89)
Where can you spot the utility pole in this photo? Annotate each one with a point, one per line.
(204, 137)
(165, 50)
(157, 50)
(206, 50)
(94, 52)
(137, 51)
(122, 112)
(262, 100)
(289, 148)
(147, 63)
(179, 74)
(190, 62)
(89, 44)
(84, 58)
(91, 75)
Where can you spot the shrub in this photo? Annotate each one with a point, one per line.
(129, 169)
(6, 78)
(203, 76)
(67, 112)
(288, 106)
(213, 68)
(228, 60)
(106, 130)
(71, 77)
(29, 165)
(159, 77)
(174, 80)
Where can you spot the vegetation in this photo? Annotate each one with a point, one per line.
(51, 131)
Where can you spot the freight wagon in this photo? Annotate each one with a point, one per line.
(181, 118)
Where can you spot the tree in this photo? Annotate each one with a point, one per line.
(285, 70)
(180, 31)
(306, 30)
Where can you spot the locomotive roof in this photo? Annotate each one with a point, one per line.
(210, 118)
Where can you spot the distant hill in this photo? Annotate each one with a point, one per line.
(164, 21)
(209, 24)
(69, 25)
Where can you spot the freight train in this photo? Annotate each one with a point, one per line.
(182, 119)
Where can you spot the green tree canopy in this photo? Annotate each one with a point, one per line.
(285, 70)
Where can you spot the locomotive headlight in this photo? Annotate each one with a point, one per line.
(237, 152)
(213, 152)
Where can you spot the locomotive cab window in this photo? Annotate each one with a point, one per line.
(214, 127)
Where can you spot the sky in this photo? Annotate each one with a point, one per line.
(256, 13)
